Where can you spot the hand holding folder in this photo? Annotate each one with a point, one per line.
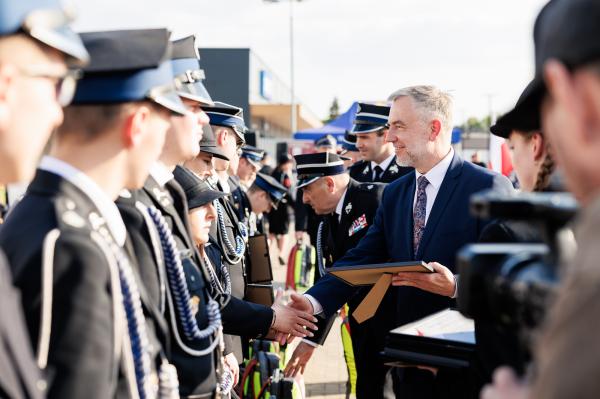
(381, 276)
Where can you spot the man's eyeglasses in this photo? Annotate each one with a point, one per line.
(65, 83)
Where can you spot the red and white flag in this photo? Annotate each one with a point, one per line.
(500, 160)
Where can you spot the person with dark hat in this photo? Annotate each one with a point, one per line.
(240, 318)
(202, 164)
(348, 209)
(264, 194)
(378, 162)
(249, 165)
(563, 101)
(48, 44)
(327, 143)
(86, 309)
(349, 149)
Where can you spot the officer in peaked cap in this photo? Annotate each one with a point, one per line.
(264, 194)
(378, 158)
(248, 167)
(32, 33)
(66, 240)
(327, 143)
(349, 149)
(348, 208)
(188, 74)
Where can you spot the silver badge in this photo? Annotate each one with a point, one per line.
(365, 170)
(370, 187)
(73, 219)
(161, 196)
(348, 208)
(394, 168)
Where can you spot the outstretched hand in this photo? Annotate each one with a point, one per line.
(291, 320)
(300, 358)
(440, 282)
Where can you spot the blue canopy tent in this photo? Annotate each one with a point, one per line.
(336, 127)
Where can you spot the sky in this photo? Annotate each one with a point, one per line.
(481, 51)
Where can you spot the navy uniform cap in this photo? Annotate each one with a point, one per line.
(567, 31)
(349, 142)
(197, 192)
(208, 144)
(227, 115)
(370, 118)
(45, 21)
(326, 141)
(185, 61)
(253, 155)
(276, 191)
(311, 167)
(127, 66)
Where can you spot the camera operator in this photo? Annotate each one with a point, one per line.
(534, 166)
(566, 94)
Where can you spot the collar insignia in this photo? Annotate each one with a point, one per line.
(394, 168)
(348, 208)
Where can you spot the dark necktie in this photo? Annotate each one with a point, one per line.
(378, 173)
(419, 212)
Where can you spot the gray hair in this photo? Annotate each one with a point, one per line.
(433, 102)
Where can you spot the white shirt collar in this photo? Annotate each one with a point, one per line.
(160, 173)
(385, 164)
(340, 206)
(225, 185)
(106, 206)
(435, 176)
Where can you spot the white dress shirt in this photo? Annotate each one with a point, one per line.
(161, 174)
(106, 206)
(435, 176)
(384, 165)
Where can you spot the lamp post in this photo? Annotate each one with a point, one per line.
(293, 116)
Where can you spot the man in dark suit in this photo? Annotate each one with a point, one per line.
(378, 162)
(84, 303)
(22, 139)
(423, 216)
(348, 209)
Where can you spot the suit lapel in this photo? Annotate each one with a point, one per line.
(389, 175)
(348, 217)
(444, 194)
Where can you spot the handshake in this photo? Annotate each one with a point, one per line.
(294, 319)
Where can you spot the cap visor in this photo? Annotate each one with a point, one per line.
(64, 40)
(305, 182)
(196, 92)
(256, 164)
(204, 198)
(170, 100)
(214, 151)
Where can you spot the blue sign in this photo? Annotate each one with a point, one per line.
(266, 85)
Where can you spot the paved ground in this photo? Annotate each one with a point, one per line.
(326, 375)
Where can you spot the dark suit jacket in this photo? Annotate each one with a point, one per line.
(81, 361)
(449, 227)
(361, 171)
(18, 372)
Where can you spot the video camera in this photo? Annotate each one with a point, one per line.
(508, 285)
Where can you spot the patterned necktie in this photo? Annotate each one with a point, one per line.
(378, 173)
(419, 212)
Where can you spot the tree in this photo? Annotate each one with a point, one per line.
(334, 110)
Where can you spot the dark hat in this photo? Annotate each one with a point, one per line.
(510, 121)
(326, 141)
(311, 167)
(45, 21)
(276, 191)
(227, 115)
(565, 30)
(197, 192)
(186, 71)
(370, 118)
(127, 66)
(349, 142)
(208, 144)
(253, 155)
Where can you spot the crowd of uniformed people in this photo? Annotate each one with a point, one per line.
(128, 268)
